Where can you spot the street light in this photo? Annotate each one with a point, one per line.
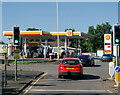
(57, 31)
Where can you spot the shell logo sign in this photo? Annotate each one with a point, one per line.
(107, 43)
(69, 32)
(107, 37)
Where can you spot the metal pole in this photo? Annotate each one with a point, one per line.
(5, 72)
(116, 55)
(45, 49)
(25, 47)
(57, 30)
(79, 46)
(65, 47)
(15, 68)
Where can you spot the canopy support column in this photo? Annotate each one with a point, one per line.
(25, 47)
(65, 46)
(45, 49)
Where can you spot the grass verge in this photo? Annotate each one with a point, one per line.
(32, 62)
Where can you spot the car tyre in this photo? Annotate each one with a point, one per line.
(59, 76)
(82, 76)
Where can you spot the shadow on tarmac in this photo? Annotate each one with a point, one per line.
(93, 66)
(85, 77)
(96, 66)
(44, 85)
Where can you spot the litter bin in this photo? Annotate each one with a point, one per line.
(51, 56)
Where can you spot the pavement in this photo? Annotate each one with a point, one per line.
(24, 78)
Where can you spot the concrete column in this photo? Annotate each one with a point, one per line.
(40, 43)
(9, 49)
(79, 46)
(76, 47)
(65, 45)
(25, 50)
(68, 46)
(45, 49)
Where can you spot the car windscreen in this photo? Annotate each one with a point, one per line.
(70, 62)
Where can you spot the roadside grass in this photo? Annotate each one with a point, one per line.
(33, 62)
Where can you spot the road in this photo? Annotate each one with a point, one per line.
(94, 81)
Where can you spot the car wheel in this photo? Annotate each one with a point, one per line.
(59, 76)
(82, 76)
(93, 63)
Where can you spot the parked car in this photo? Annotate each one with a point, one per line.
(86, 60)
(70, 67)
(107, 57)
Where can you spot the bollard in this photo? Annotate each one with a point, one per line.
(111, 70)
(113, 59)
(117, 75)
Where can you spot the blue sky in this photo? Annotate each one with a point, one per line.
(42, 15)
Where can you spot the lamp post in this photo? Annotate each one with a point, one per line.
(57, 31)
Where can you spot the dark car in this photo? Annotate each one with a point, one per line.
(86, 60)
(107, 57)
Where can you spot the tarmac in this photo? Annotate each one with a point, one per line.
(24, 78)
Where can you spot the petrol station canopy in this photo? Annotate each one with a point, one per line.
(48, 35)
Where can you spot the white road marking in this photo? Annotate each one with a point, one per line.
(69, 80)
(109, 91)
(95, 91)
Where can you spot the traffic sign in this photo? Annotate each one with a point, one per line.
(16, 54)
(107, 43)
(117, 75)
(117, 69)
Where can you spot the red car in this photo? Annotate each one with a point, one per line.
(70, 67)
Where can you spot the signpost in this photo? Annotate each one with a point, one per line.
(16, 56)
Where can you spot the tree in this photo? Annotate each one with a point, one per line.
(32, 29)
(73, 30)
(97, 41)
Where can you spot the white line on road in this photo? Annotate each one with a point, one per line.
(69, 79)
(95, 91)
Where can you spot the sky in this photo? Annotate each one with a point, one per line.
(43, 15)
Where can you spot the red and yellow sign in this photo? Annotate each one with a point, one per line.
(69, 33)
(107, 43)
(107, 37)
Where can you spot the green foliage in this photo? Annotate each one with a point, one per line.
(33, 29)
(97, 41)
(73, 30)
(31, 62)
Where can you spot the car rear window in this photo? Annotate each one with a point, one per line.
(83, 56)
(70, 62)
(106, 55)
